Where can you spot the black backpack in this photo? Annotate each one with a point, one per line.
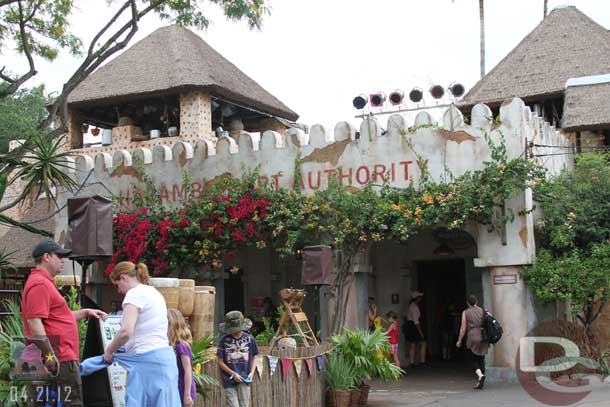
(491, 329)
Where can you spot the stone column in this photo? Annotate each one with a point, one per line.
(509, 306)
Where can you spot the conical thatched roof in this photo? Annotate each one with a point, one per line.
(172, 59)
(566, 44)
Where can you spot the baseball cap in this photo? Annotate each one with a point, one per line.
(49, 246)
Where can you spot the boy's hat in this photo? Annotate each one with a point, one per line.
(417, 294)
(234, 322)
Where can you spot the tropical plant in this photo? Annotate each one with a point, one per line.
(11, 327)
(340, 372)
(367, 350)
(265, 337)
(74, 304)
(5, 260)
(203, 352)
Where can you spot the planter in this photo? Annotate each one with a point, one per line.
(354, 397)
(338, 397)
(364, 395)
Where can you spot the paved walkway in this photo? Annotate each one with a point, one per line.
(451, 386)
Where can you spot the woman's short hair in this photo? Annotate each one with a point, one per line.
(472, 299)
(139, 271)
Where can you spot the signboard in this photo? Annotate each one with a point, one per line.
(505, 279)
(117, 376)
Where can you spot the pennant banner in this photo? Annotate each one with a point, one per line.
(286, 365)
(260, 366)
(320, 359)
(309, 363)
(272, 363)
(298, 364)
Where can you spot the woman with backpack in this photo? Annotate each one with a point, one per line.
(472, 327)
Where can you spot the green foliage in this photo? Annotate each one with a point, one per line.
(340, 372)
(47, 27)
(367, 351)
(20, 115)
(576, 206)
(577, 277)
(266, 336)
(74, 305)
(202, 354)
(11, 327)
(574, 264)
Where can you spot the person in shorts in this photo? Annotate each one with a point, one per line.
(47, 317)
(414, 334)
(236, 352)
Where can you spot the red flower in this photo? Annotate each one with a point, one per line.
(184, 222)
(143, 211)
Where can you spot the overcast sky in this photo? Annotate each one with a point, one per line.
(316, 55)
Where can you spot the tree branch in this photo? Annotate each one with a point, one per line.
(7, 2)
(16, 83)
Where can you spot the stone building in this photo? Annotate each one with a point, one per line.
(561, 70)
(173, 80)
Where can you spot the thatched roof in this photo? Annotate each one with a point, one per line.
(566, 44)
(587, 106)
(174, 59)
(22, 242)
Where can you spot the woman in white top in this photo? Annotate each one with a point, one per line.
(413, 331)
(144, 333)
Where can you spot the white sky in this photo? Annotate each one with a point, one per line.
(317, 55)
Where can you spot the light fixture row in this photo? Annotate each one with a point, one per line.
(397, 97)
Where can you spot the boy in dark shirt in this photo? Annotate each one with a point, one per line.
(236, 352)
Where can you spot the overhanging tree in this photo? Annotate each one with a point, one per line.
(40, 29)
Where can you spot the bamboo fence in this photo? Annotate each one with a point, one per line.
(305, 390)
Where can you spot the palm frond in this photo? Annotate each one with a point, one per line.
(43, 168)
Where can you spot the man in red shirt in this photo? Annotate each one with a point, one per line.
(47, 315)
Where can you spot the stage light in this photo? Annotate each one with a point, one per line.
(456, 89)
(377, 99)
(360, 101)
(437, 91)
(416, 95)
(396, 97)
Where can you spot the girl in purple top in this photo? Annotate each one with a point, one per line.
(181, 339)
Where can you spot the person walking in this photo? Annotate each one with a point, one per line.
(414, 334)
(472, 325)
(236, 352)
(149, 360)
(181, 339)
(47, 317)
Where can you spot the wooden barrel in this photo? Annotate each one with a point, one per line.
(202, 318)
(169, 288)
(186, 299)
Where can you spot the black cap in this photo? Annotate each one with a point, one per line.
(49, 246)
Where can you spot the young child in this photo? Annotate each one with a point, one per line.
(180, 338)
(236, 352)
(393, 335)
